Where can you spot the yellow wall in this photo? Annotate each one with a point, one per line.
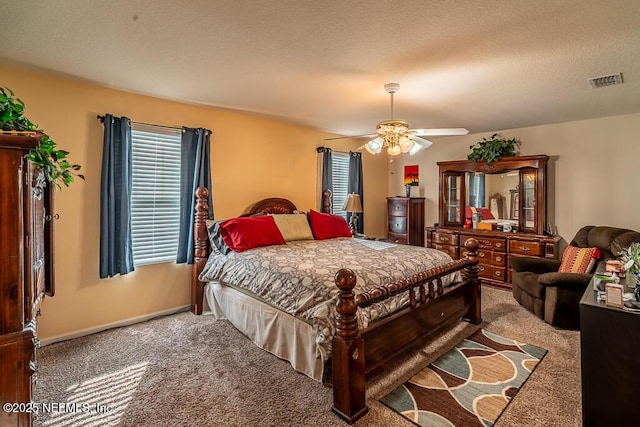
(252, 158)
(593, 170)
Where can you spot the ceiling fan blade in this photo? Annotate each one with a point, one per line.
(420, 143)
(355, 136)
(440, 132)
(424, 143)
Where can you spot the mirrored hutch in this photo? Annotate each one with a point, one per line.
(509, 200)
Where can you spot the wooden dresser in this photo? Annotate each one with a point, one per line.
(521, 179)
(26, 269)
(405, 220)
(497, 248)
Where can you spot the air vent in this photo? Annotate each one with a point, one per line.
(604, 81)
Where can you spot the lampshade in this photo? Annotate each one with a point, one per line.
(352, 204)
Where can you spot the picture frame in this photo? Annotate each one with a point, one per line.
(613, 295)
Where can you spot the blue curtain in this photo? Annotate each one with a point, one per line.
(476, 190)
(327, 173)
(195, 171)
(356, 185)
(116, 255)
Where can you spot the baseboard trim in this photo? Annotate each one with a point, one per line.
(118, 324)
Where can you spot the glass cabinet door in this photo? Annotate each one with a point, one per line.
(528, 199)
(453, 191)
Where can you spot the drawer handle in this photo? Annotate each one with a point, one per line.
(498, 245)
(481, 254)
(480, 268)
(498, 273)
(498, 258)
(525, 248)
(444, 239)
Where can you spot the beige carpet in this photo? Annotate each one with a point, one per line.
(184, 370)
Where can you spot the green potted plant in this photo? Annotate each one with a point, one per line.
(52, 161)
(630, 257)
(493, 148)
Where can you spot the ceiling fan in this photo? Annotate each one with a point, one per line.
(396, 136)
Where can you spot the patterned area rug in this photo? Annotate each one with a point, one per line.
(471, 385)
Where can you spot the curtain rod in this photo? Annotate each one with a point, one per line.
(101, 118)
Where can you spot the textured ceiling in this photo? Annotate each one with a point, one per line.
(484, 65)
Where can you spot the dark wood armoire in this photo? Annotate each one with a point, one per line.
(26, 269)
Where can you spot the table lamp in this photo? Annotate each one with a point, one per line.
(353, 205)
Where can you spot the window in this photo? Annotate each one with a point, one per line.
(340, 176)
(155, 193)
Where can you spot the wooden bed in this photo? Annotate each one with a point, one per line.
(360, 354)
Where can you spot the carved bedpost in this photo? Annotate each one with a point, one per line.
(348, 353)
(471, 272)
(326, 202)
(201, 248)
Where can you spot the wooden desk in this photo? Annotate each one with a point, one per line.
(610, 356)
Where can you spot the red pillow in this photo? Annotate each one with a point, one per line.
(327, 226)
(486, 213)
(241, 234)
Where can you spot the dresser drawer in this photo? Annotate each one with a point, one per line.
(498, 259)
(444, 238)
(400, 239)
(526, 248)
(491, 243)
(398, 225)
(450, 249)
(397, 207)
(491, 272)
(484, 256)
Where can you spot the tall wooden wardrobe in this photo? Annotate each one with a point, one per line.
(26, 269)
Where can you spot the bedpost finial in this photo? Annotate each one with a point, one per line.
(202, 192)
(345, 279)
(471, 245)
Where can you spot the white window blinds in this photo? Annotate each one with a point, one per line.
(155, 193)
(340, 175)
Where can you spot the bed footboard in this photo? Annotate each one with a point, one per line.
(358, 353)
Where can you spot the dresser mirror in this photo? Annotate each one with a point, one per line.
(510, 194)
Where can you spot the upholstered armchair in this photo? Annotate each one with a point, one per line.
(553, 296)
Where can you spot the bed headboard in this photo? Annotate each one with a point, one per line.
(273, 205)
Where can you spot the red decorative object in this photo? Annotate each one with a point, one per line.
(245, 233)
(328, 226)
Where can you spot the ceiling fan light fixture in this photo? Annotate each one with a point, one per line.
(396, 136)
(392, 126)
(406, 144)
(394, 150)
(374, 146)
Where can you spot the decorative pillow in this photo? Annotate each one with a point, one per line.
(240, 234)
(215, 238)
(327, 226)
(578, 260)
(486, 213)
(293, 227)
